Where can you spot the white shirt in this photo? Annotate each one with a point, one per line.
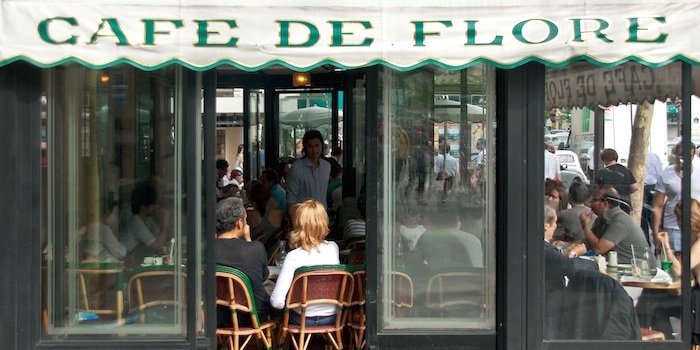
(450, 167)
(551, 166)
(654, 169)
(137, 231)
(325, 254)
(669, 183)
(591, 155)
(411, 235)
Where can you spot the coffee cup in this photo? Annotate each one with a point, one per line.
(157, 260)
(149, 260)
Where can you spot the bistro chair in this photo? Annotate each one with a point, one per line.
(357, 319)
(402, 294)
(456, 293)
(100, 289)
(234, 291)
(154, 293)
(313, 285)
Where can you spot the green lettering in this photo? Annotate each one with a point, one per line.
(203, 33)
(150, 29)
(43, 30)
(518, 31)
(337, 38)
(284, 34)
(116, 32)
(602, 25)
(471, 36)
(420, 33)
(635, 28)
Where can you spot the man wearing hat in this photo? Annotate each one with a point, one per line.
(613, 229)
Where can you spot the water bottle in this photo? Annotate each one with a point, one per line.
(282, 252)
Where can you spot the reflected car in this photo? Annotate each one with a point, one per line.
(570, 160)
(569, 176)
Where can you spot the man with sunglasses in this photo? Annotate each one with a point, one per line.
(613, 229)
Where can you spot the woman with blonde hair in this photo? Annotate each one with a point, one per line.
(309, 249)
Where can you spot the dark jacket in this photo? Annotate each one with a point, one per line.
(591, 306)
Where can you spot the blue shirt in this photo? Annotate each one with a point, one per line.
(306, 182)
(280, 197)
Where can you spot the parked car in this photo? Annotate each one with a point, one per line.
(569, 176)
(570, 159)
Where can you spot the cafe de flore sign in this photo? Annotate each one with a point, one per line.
(254, 34)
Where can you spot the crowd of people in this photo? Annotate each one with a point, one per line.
(595, 220)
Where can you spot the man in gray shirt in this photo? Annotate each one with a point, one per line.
(613, 229)
(308, 177)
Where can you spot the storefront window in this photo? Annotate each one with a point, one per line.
(612, 183)
(113, 258)
(437, 199)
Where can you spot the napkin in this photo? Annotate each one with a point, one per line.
(661, 277)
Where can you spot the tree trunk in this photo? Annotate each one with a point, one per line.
(637, 161)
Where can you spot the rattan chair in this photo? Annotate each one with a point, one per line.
(456, 293)
(402, 294)
(100, 289)
(156, 290)
(357, 319)
(325, 284)
(234, 291)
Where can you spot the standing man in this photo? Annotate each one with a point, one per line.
(617, 176)
(308, 177)
(552, 168)
(613, 229)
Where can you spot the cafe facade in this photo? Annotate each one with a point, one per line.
(103, 99)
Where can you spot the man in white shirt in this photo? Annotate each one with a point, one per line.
(552, 168)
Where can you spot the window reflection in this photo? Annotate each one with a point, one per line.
(437, 193)
(113, 253)
(615, 239)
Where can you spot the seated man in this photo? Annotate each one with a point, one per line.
(143, 234)
(234, 248)
(613, 229)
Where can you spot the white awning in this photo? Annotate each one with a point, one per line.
(305, 34)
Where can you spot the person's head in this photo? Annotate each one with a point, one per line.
(310, 225)
(605, 197)
(336, 168)
(694, 218)
(221, 167)
(144, 199)
(578, 193)
(230, 216)
(550, 222)
(313, 144)
(269, 178)
(555, 193)
(608, 156)
(412, 216)
(481, 144)
(678, 150)
(259, 194)
(473, 177)
(240, 149)
(237, 174)
(336, 152)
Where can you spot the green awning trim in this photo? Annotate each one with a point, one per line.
(280, 63)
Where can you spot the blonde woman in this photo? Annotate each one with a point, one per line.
(310, 248)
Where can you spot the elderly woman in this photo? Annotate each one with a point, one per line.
(310, 249)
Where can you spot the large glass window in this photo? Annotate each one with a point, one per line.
(113, 258)
(613, 184)
(437, 232)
